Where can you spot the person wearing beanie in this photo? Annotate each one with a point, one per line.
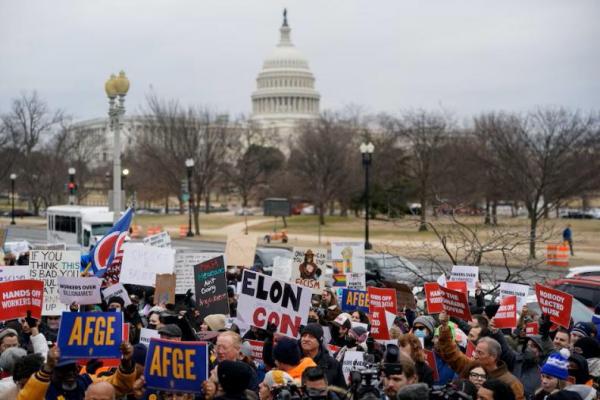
(234, 377)
(288, 358)
(578, 369)
(115, 303)
(581, 330)
(554, 373)
(273, 379)
(311, 344)
(590, 349)
(214, 322)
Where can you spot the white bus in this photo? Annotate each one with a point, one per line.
(77, 225)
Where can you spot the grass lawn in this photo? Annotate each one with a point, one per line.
(210, 221)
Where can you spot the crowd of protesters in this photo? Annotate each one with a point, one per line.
(554, 364)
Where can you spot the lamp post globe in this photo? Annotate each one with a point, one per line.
(367, 150)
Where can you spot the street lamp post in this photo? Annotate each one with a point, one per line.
(189, 163)
(366, 150)
(116, 88)
(13, 177)
(71, 186)
(124, 176)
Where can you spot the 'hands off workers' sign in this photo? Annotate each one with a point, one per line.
(176, 366)
(90, 335)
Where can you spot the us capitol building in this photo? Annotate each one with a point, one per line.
(285, 96)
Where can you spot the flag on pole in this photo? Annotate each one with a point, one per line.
(109, 248)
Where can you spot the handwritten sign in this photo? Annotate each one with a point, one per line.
(240, 250)
(18, 297)
(142, 263)
(161, 239)
(90, 334)
(353, 361)
(14, 273)
(47, 266)
(282, 268)
(184, 268)
(164, 292)
(147, 334)
(465, 273)
(555, 303)
(176, 366)
(80, 290)
(308, 267)
(515, 289)
(117, 290)
(211, 287)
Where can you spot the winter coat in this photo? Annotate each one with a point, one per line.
(332, 368)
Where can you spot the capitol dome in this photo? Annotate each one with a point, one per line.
(285, 87)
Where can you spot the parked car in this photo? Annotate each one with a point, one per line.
(19, 213)
(586, 289)
(590, 270)
(243, 211)
(264, 257)
(386, 267)
(579, 312)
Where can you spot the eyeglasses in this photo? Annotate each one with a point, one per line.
(475, 375)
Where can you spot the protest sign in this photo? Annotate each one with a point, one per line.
(18, 297)
(117, 290)
(308, 267)
(90, 334)
(14, 273)
(465, 273)
(355, 300)
(147, 334)
(211, 287)
(142, 263)
(382, 298)
(257, 349)
(555, 303)
(161, 239)
(379, 327)
(430, 360)
(456, 304)
(240, 250)
(176, 366)
(355, 280)
(242, 325)
(282, 268)
(353, 361)
(265, 300)
(470, 349)
(184, 268)
(348, 257)
(459, 286)
(47, 266)
(17, 248)
(532, 328)
(434, 298)
(506, 316)
(515, 289)
(80, 290)
(164, 292)
(49, 246)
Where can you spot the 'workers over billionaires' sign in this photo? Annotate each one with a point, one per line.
(90, 335)
(555, 303)
(264, 300)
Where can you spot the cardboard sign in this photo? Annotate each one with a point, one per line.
(165, 289)
(18, 297)
(434, 297)
(532, 328)
(257, 349)
(466, 274)
(184, 268)
(353, 360)
(90, 335)
(117, 290)
(265, 300)
(48, 265)
(430, 360)
(353, 300)
(282, 268)
(176, 366)
(161, 239)
(84, 290)
(456, 304)
(470, 349)
(308, 267)
(14, 273)
(506, 316)
(515, 289)
(148, 334)
(142, 263)
(459, 286)
(211, 287)
(348, 257)
(555, 303)
(382, 298)
(240, 250)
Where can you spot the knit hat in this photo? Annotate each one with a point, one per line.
(6, 332)
(215, 322)
(583, 328)
(276, 377)
(557, 364)
(427, 321)
(234, 376)
(582, 372)
(287, 351)
(116, 299)
(139, 353)
(314, 330)
(590, 348)
(9, 358)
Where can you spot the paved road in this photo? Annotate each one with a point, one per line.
(38, 235)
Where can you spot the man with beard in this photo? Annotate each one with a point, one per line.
(527, 364)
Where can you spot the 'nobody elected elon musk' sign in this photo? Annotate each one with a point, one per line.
(264, 300)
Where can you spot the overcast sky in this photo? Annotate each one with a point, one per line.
(467, 56)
